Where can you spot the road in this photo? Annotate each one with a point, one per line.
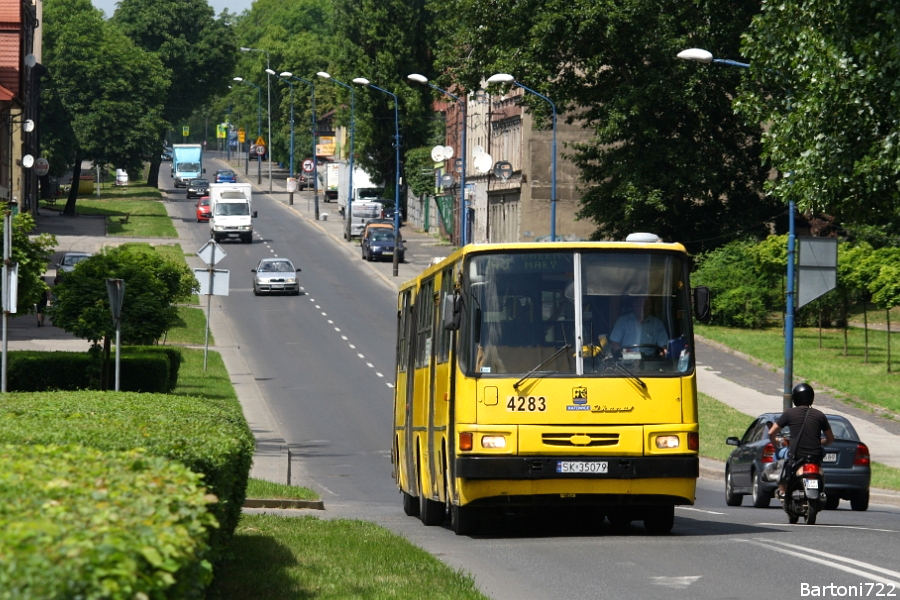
(324, 362)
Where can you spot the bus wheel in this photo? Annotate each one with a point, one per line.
(659, 520)
(464, 519)
(410, 505)
(430, 511)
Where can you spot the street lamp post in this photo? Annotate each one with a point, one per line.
(348, 215)
(315, 171)
(366, 82)
(506, 78)
(269, 99)
(465, 234)
(706, 57)
(258, 125)
(291, 168)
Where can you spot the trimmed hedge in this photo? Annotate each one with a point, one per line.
(142, 369)
(76, 522)
(208, 436)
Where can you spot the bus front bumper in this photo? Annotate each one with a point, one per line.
(554, 467)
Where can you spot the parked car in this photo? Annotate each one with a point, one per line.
(388, 212)
(749, 469)
(379, 243)
(225, 176)
(121, 177)
(376, 224)
(197, 188)
(203, 210)
(166, 154)
(275, 275)
(67, 264)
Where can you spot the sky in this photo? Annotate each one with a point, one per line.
(235, 6)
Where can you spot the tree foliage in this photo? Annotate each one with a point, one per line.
(109, 91)
(32, 255)
(668, 154)
(197, 51)
(824, 78)
(152, 286)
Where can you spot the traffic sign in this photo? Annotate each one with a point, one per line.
(260, 150)
(41, 167)
(185, 131)
(308, 165)
(260, 142)
(211, 253)
(242, 136)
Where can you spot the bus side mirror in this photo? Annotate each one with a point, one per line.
(451, 312)
(701, 303)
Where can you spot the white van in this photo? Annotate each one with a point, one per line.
(121, 177)
(363, 212)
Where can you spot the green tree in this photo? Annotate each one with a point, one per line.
(197, 51)
(384, 41)
(740, 295)
(823, 78)
(668, 154)
(32, 255)
(152, 286)
(109, 91)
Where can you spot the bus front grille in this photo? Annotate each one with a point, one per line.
(580, 440)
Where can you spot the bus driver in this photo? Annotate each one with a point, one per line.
(639, 329)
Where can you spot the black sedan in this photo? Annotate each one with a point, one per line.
(751, 467)
(197, 188)
(380, 244)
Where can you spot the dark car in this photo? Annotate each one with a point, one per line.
(203, 210)
(197, 188)
(388, 212)
(379, 243)
(751, 467)
(225, 176)
(166, 154)
(275, 275)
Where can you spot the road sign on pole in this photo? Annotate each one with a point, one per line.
(308, 165)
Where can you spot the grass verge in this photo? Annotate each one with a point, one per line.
(147, 216)
(306, 557)
(258, 488)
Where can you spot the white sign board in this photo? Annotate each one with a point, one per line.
(213, 281)
(41, 167)
(291, 185)
(211, 253)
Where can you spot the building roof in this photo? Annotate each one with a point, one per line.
(10, 47)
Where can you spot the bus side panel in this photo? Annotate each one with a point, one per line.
(690, 411)
(441, 425)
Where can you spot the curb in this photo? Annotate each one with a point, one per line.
(282, 503)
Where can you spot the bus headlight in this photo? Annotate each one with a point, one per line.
(493, 442)
(667, 441)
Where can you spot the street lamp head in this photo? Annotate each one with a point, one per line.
(501, 78)
(245, 49)
(238, 78)
(285, 74)
(696, 54)
(270, 71)
(361, 81)
(323, 75)
(417, 78)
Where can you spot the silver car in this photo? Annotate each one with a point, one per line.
(275, 276)
(67, 264)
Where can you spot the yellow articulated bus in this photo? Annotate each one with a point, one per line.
(549, 375)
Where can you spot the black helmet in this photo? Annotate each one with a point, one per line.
(803, 394)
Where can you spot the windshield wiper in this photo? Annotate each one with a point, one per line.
(627, 371)
(543, 362)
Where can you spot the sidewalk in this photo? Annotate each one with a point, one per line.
(721, 373)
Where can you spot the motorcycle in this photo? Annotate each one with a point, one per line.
(805, 492)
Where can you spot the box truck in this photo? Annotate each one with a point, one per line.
(363, 187)
(187, 163)
(231, 211)
(330, 180)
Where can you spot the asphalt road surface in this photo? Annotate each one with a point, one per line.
(324, 361)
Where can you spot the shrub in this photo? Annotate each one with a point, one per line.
(210, 437)
(76, 522)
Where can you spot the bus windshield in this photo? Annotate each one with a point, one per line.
(618, 311)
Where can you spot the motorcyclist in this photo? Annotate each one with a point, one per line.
(809, 428)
